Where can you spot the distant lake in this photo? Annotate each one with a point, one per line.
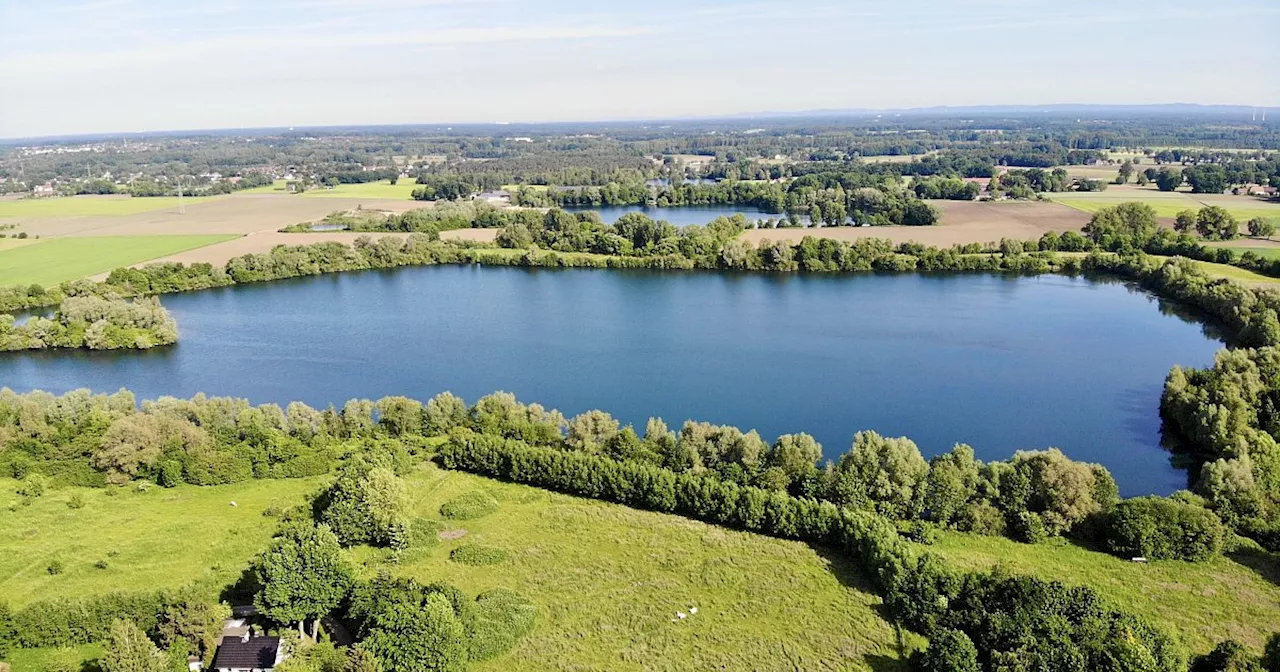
(680, 215)
(1002, 363)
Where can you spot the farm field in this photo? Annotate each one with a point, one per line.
(1204, 603)
(381, 189)
(607, 580)
(961, 222)
(83, 206)
(1168, 204)
(49, 262)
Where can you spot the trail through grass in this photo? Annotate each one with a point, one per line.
(51, 261)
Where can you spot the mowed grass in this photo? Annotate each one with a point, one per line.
(49, 262)
(162, 538)
(1203, 603)
(1169, 203)
(42, 660)
(76, 206)
(609, 580)
(402, 190)
(1264, 252)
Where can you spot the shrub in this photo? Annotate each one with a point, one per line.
(55, 567)
(469, 506)
(478, 555)
(1228, 656)
(424, 532)
(496, 622)
(1163, 529)
(32, 485)
(949, 651)
(76, 501)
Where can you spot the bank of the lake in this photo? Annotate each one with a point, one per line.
(1003, 363)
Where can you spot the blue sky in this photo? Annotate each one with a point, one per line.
(74, 66)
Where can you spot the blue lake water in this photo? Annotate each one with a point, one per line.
(1002, 363)
(682, 215)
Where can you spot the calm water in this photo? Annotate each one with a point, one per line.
(1000, 363)
(682, 215)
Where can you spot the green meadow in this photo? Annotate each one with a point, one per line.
(1235, 597)
(608, 581)
(51, 261)
(79, 206)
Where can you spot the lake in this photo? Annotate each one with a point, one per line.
(1002, 363)
(683, 215)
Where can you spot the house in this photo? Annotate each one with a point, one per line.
(45, 189)
(248, 654)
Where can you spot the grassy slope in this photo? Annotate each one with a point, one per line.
(73, 206)
(1202, 603)
(161, 539)
(609, 581)
(48, 262)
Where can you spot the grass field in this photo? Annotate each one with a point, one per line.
(48, 262)
(1202, 603)
(1264, 252)
(607, 580)
(383, 189)
(80, 206)
(163, 538)
(1169, 203)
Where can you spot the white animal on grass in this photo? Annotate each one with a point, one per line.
(681, 614)
(693, 610)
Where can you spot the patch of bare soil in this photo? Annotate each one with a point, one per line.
(961, 222)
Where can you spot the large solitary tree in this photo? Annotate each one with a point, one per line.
(302, 575)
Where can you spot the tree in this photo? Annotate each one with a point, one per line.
(1215, 223)
(952, 481)
(362, 660)
(949, 651)
(1185, 222)
(795, 454)
(1126, 171)
(1206, 178)
(128, 649)
(302, 575)
(590, 431)
(368, 505)
(1261, 228)
(1228, 656)
(408, 639)
(882, 473)
(196, 622)
(442, 413)
(1271, 654)
(1168, 179)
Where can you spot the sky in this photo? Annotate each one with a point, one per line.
(87, 66)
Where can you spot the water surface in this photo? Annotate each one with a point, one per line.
(1002, 363)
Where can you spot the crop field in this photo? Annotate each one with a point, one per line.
(81, 206)
(383, 189)
(1231, 597)
(1168, 204)
(48, 262)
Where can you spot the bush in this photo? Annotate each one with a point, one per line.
(949, 651)
(469, 506)
(497, 621)
(55, 567)
(477, 555)
(76, 501)
(424, 532)
(1228, 656)
(1163, 529)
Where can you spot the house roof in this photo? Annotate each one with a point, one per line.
(256, 653)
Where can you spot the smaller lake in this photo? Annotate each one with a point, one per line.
(681, 215)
